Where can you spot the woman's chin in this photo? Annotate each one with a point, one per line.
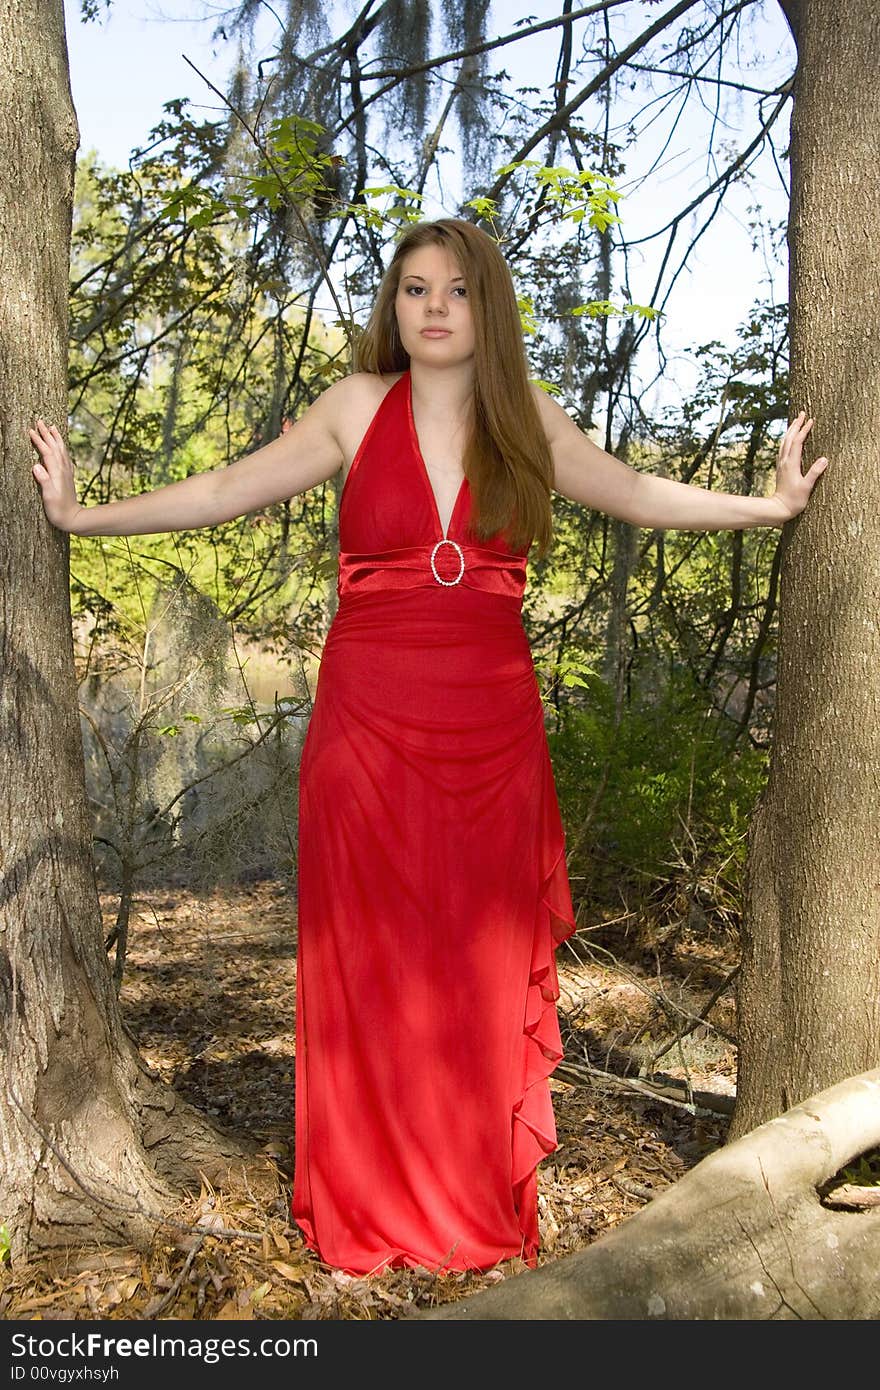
(438, 352)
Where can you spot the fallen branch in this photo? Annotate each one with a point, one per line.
(852, 1198)
(669, 1090)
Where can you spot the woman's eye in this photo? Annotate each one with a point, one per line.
(419, 290)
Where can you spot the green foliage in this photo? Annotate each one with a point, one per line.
(603, 308)
(865, 1173)
(527, 318)
(197, 337)
(5, 1245)
(570, 670)
(640, 777)
(573, 195)
(483, 207)
(291, 168)
(185, 321)
(242, 715)
(743, 385)
(401, 206)
(178, 329)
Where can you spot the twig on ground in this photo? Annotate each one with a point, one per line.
(667, 1091)
(155, 1309)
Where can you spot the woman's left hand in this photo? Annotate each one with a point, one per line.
(793, 487)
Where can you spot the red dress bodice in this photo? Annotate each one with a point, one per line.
(390, 535)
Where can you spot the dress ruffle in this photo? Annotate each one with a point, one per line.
(534, 1126)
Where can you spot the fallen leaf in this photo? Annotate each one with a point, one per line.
(613, 1165)
(211, 1221)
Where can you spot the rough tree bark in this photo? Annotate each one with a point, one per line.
(809, 1000)
(91, 1145)
(742, 1236)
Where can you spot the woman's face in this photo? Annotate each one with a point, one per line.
(433, 310)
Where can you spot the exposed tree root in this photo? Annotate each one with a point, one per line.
(743, 1235)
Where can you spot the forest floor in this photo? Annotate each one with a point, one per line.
(209, 996)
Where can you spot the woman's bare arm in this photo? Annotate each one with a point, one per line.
(588, 474)
(309, 453)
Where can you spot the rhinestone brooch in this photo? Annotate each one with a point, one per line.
(448, 583)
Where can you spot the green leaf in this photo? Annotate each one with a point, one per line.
(205, 218)
(645, 311)
(242, 714)
(293, 134)
(603, 308)
(385, 189)
(527, 314)
(571, 670)
(518, 164)
(597, 308)
(483, 207)
(602, 220)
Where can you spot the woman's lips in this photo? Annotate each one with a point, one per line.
(436, 332)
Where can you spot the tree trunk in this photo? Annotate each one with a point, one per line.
(90, 1143)
(742, 1236)
(810, 989)
(618, 650)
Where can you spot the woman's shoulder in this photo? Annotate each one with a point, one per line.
(362, 387)
(553, 417)
(353, 401)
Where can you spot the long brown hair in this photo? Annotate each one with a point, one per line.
(507, 459)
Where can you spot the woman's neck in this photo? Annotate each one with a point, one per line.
(442, 392)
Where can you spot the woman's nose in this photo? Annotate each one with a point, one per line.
(436, 303)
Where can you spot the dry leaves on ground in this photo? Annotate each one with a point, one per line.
(209, 995)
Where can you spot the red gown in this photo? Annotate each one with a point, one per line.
(432, 890)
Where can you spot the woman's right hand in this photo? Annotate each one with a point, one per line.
(54, 473)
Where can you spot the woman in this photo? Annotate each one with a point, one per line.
(432, 879)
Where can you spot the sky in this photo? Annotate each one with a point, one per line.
(124, 67)
(127, 64)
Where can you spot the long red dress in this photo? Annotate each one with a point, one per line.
(432, 890)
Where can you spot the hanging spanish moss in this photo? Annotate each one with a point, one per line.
(405, 39)
(465, 27)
